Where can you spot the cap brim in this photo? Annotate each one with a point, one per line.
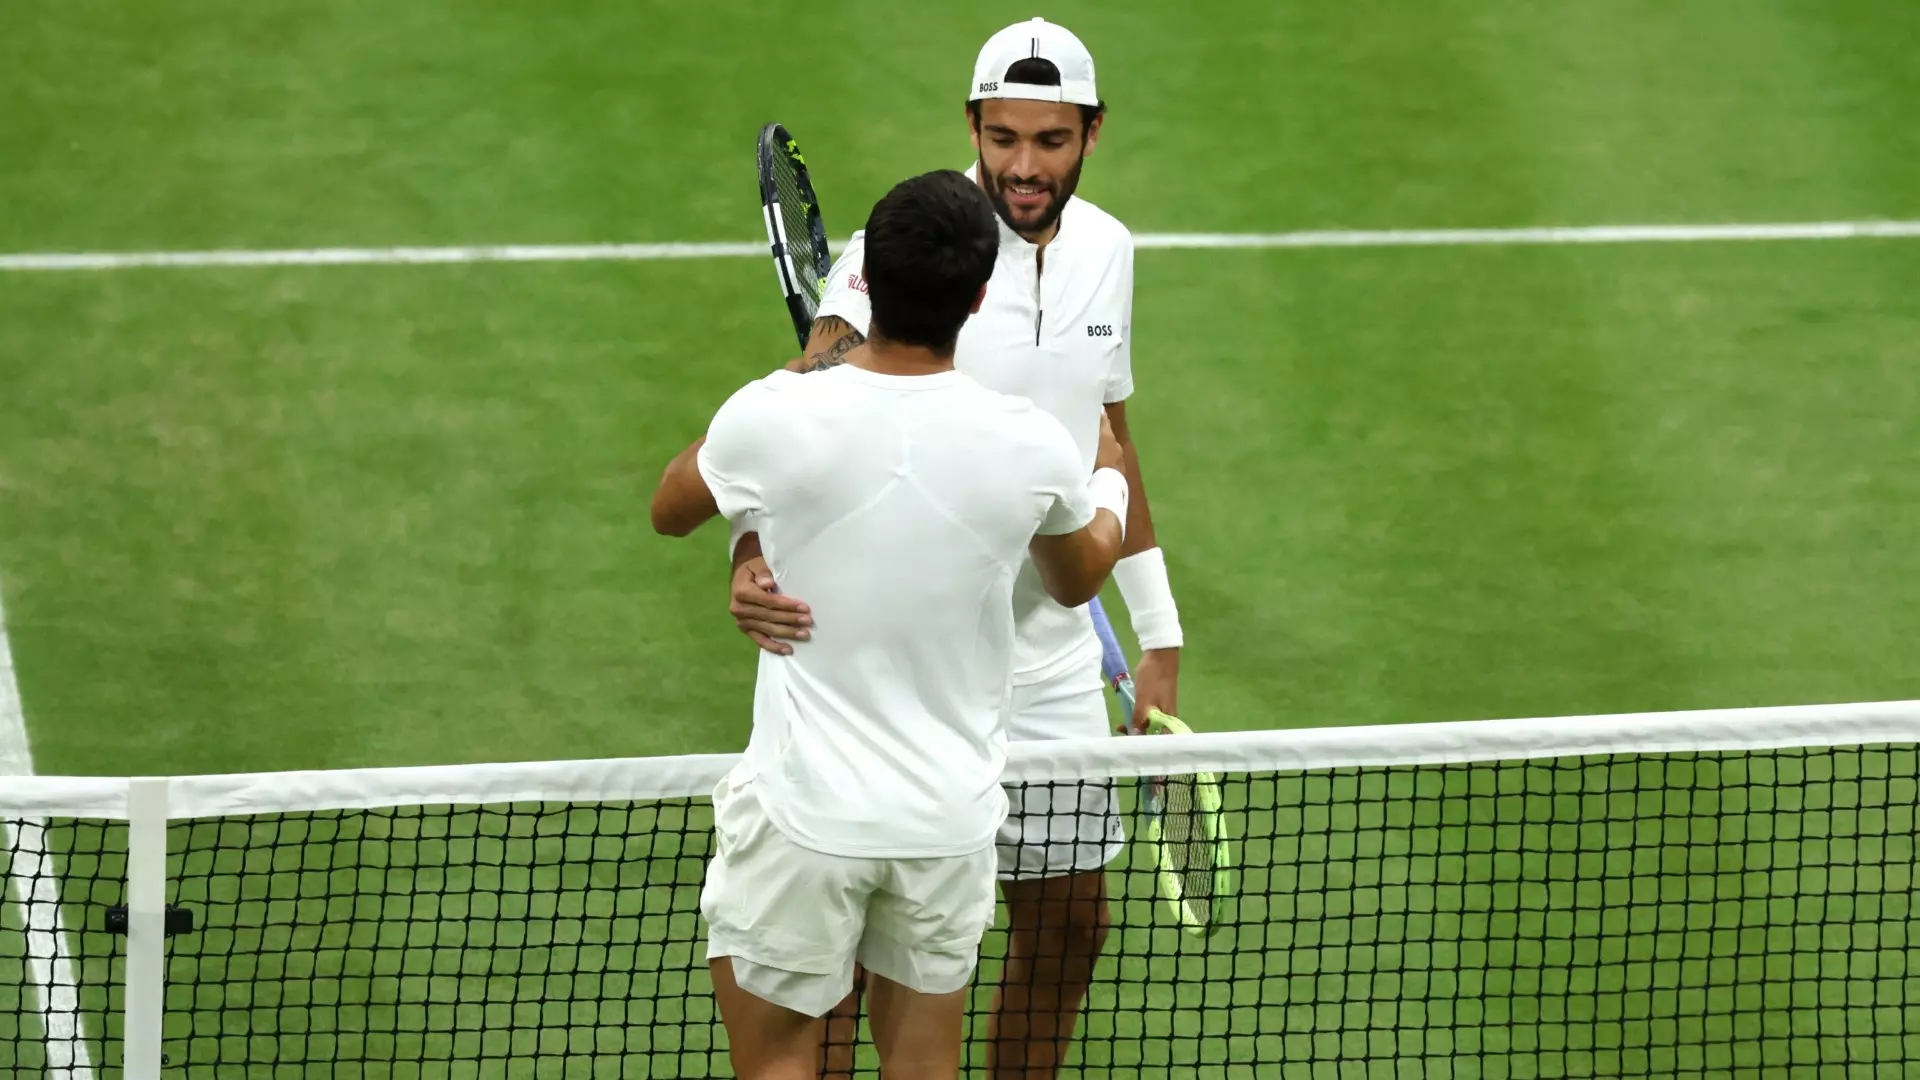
(1071, 93)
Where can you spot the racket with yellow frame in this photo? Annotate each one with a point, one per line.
(1183, 821)
(796, 234)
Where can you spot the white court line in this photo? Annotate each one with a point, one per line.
(50, 967)
(1576, 234)
(1580, 234)
(394, 256)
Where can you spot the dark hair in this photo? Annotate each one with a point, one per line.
(931, 243)
(1034, 71)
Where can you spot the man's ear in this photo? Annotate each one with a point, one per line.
(978, 299)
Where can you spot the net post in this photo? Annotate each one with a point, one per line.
(146, 927)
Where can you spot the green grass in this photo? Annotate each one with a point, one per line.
(346, 518)
(323, 518)
(358, 516)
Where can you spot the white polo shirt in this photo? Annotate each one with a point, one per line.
(901, 509)
(1056, 332)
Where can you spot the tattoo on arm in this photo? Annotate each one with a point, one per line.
(844, 338)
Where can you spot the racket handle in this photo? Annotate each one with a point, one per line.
(1113, 662)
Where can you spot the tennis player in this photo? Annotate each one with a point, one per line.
(902, 498)
(1056, 328)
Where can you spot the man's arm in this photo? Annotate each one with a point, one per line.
(1142, 577)
(1139, 518)
(828, 344)
(727, 471)
(683, 502)
(769, 618)
(844, 311)
(1074, 565)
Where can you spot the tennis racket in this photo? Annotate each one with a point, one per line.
(794, 227)
(1185, 829)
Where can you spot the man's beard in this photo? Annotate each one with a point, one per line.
(997, 196)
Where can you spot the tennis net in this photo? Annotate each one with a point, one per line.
(1700, 895)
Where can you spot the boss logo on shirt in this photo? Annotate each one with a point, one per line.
(1105, 330)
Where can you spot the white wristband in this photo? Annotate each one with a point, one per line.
(1143, 585)
(1110, 492)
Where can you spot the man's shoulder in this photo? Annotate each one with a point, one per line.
(761, 398)
(1098, 226)
(779, 382)
(1019, 420)
(840, 301)
(986, 398)
(985, 403)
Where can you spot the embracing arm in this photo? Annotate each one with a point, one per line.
(1142, 571)
(844, 311)
(727, 471)
(1142, 576)
(1073, 566)
(683, 502)
(828, 344)
(1139, 518)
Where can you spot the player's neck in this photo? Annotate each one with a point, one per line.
(1043, 238)
(883, 357)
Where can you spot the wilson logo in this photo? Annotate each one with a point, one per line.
(1100, 331)
(856, 283)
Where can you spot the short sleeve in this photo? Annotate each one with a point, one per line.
(846, 295)
(1120, 372)
(1063, 480)
(740, 455)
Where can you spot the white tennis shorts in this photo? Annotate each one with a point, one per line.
(1062, 828)
(794, 920)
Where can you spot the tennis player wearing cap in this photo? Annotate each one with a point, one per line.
(860, 824)
(1056, 327)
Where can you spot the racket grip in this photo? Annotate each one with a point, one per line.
(1113, 662)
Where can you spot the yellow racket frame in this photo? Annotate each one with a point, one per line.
(1211, 805)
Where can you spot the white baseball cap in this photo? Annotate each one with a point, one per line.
(1034, 40)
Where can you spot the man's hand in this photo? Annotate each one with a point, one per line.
(769, 618)
(1156, 685)
(1109, 455)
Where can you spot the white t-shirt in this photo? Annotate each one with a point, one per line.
(900, 508)
(1056, 332)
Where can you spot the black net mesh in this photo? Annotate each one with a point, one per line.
(1678, 915)
(542, 940)
(1188, 847)
(1696, 915)
(62, 974)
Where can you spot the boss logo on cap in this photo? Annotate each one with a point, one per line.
(987, 88)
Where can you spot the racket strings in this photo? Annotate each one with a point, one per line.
(1188, 844)
(804, 247)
